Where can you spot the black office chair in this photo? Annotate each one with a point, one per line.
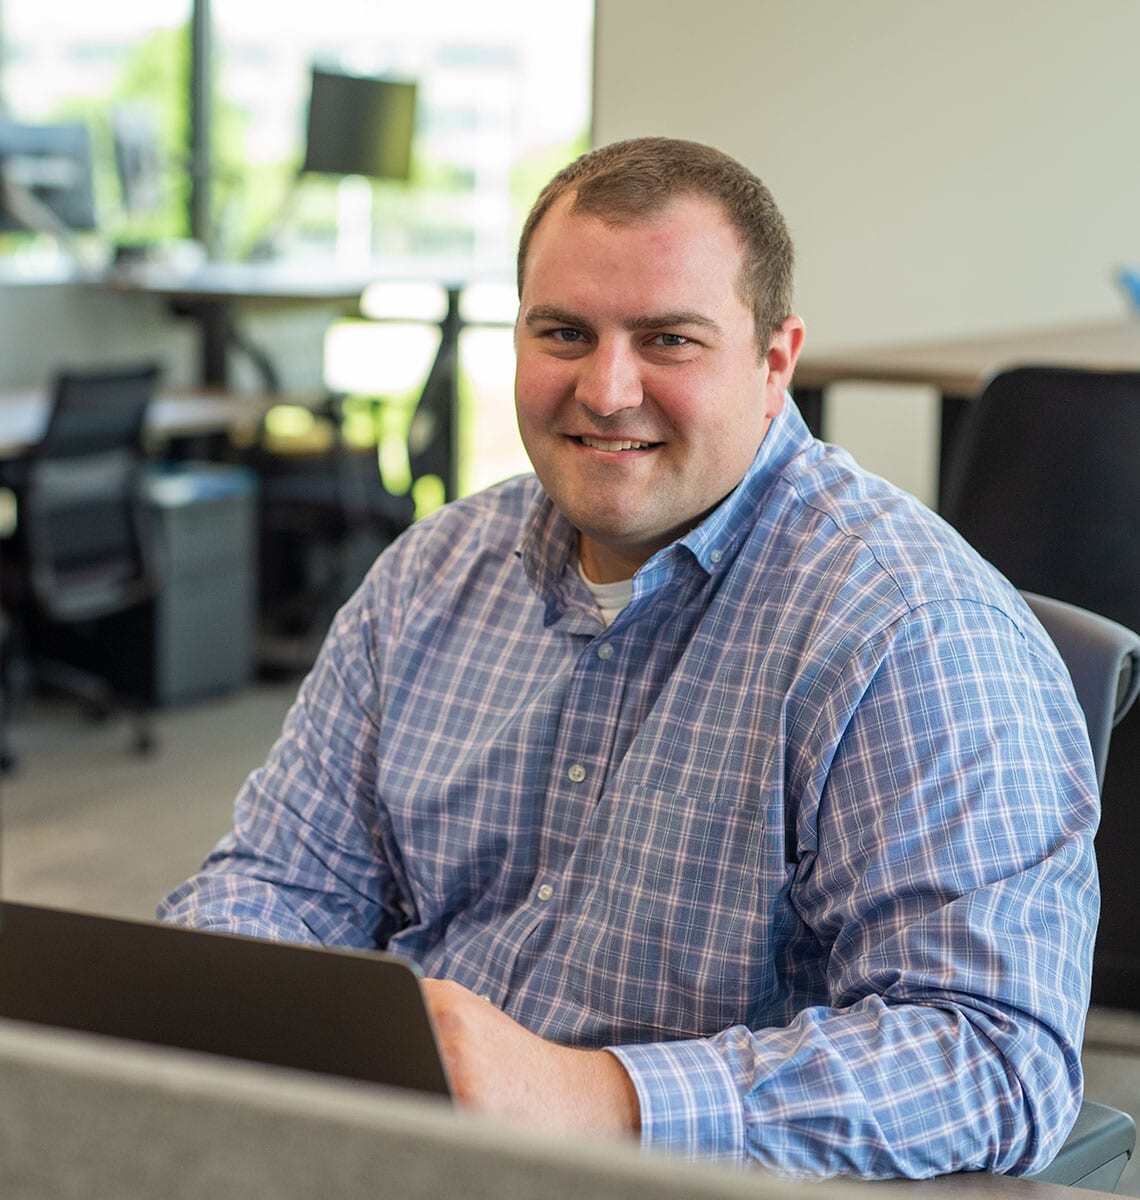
(83, 567)
(1045, 483)
(1104, 661)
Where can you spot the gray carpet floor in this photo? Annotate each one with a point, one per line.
(87, 824)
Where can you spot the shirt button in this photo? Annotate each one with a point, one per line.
(576, 773)
(715, 556)
(545, 892)
(605, 651)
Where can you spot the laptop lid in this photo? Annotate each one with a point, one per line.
(353, 1013)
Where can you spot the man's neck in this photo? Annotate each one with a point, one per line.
(600, 564)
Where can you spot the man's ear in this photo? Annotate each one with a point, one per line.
(783, 350)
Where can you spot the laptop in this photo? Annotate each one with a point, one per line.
(353, 1013)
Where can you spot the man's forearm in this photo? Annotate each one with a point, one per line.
(497, 1066)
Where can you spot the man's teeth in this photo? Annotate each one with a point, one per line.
(599, 444)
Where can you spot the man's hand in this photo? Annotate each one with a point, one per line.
(497, 1066)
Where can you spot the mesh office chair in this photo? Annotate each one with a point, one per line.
(1045, 483)
(1104, 661)
(84, 563)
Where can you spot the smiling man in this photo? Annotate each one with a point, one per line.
(643, 390)
(727, 799)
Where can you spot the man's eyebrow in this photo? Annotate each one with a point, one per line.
(668, 319)
(549, 312)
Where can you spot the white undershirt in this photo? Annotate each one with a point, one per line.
(611, 598)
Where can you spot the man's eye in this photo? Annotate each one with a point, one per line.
(569, 336)
(671, 339)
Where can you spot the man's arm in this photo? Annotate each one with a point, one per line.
(946, 865)
(496, 1065)
(302, 862)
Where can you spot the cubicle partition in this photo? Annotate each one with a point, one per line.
(84, 1116)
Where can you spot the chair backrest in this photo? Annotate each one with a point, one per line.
(1044, 482)
(84, 523)
(1104, 661)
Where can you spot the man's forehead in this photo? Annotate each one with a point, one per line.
(688, 223)
(700, 209)
(692, 260)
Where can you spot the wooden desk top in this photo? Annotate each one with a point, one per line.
(302, 280)
(961, 366)
(278, 283)
(23, 415)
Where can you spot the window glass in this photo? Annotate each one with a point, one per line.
(121, 68)
(500, 104)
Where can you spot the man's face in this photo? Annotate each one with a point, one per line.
(641, 395)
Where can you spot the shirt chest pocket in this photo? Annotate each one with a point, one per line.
(683, 883)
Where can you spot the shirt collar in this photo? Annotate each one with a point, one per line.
(713, 542)
(549, 542)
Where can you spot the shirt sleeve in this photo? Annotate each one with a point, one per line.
(945, 863)
(303, 861)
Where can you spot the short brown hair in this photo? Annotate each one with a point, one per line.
(631, 180)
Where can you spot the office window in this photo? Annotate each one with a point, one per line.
(115, 65)
(501, 104)
(499, 99)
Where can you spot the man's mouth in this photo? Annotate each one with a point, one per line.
(614, 445)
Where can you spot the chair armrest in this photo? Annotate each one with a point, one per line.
(1096, 1151)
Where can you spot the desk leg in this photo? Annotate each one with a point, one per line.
(810, 403)
(218, 330)
(433, 439)
(214, 322)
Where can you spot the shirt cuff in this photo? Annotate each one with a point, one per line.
(690, 1104)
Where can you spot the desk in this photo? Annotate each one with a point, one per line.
(959, 367)
(24, 414)
(211, 293)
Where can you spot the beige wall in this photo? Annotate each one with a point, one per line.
(945, 168)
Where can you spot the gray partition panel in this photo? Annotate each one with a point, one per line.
(84, 1117)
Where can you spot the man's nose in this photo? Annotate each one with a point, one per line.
(609, 380)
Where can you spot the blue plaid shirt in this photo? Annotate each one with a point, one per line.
(805, 836)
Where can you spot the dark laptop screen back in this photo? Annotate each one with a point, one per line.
(341, 1012)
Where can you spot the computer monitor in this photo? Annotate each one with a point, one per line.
(45, 177)
(359, 125)
(138, 160)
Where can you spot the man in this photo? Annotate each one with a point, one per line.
(725, 794)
